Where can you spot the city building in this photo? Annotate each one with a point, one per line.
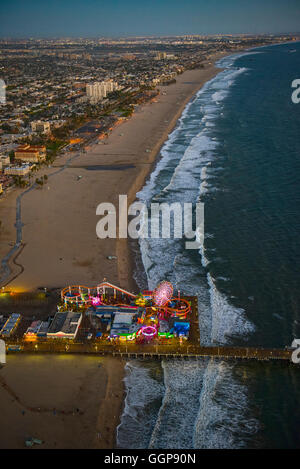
(43, 329)
(99, 90)
(10, 325)
(37, 329)
(17, 170)
(4, 161)
(124, 326)
(161, 55)
(41, 127)
(30, 154)
(64, 325)
(5, 181)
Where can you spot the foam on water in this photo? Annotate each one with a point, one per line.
(191, 410)
(222, 420)
(227, 320)
(144, 394)
(175, 422)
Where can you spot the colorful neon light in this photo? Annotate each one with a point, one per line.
(96, 301)
(181, 310)
(148, 331)
(162, 293)
(83, 295)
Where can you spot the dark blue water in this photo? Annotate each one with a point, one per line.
(255, 216)
(236, 148)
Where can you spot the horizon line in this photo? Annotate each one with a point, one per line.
(128, 35)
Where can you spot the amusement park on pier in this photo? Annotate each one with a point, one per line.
(118, 315)
(107, 319)
(109, 314)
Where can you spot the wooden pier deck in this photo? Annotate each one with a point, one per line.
(152, 351)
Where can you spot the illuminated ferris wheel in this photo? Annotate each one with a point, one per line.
(162, 293)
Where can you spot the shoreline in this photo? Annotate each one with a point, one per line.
(129, 263)
(111, 408)
(120, 243)
(59, 242)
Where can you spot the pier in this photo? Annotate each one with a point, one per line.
(149, 351)
(156, 348)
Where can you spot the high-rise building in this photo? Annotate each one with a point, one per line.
(161, 55)
(99, 90)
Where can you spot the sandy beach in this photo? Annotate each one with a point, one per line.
(59, 233)
(76, 401)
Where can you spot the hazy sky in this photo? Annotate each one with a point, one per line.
(146, 17)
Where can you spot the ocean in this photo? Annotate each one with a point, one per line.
(236, 149)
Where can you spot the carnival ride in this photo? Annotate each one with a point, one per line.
(178, 308)
(162, 293)
(93, 296)
(148, 332)
(162, 298)
(154, 306)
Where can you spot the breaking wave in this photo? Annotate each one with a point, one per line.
(200, 403)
